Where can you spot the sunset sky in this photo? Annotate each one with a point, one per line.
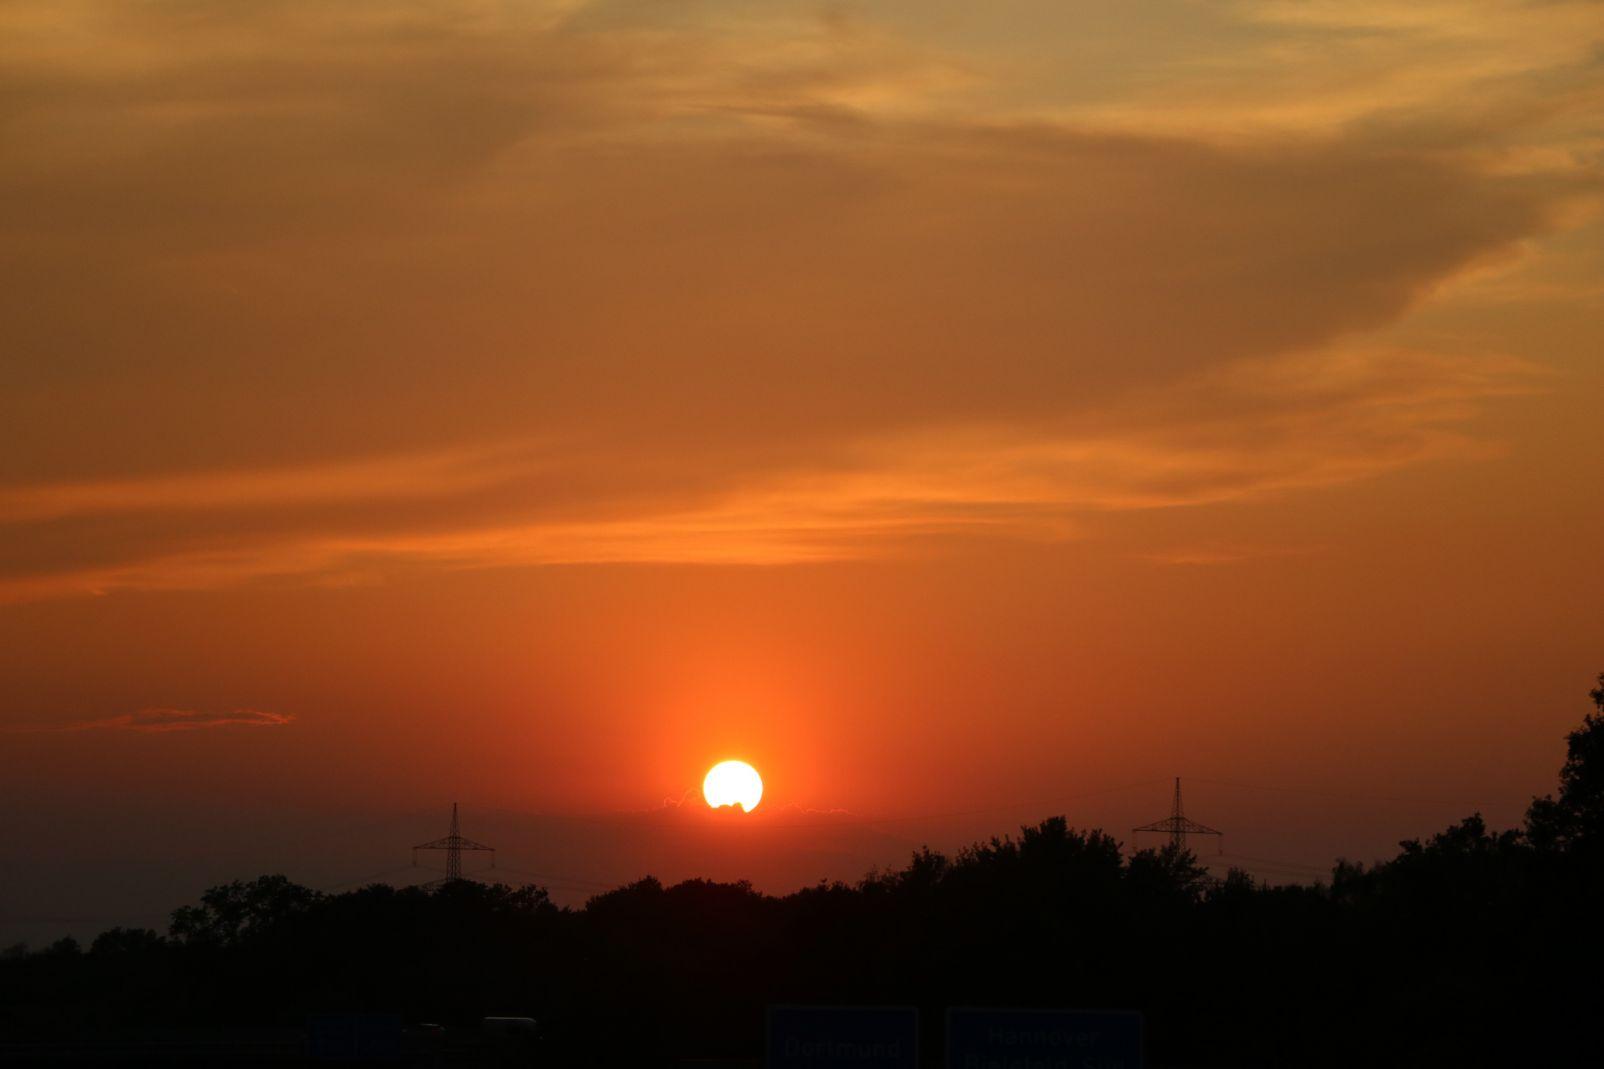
(962, 412)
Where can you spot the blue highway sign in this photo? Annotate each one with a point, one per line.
(1043, 1039)
(864, 1037)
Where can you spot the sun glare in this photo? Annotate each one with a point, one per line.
(733, 783)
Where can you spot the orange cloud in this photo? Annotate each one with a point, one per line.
(320, 292)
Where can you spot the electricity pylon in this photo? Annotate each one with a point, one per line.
(1177, 827)
(454, 844)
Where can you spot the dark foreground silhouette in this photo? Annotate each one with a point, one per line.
(1470, 948)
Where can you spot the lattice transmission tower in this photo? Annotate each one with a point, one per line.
(1178, 827)
(454, 844)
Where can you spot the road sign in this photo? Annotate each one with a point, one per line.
(1043, 1039)
(824, 1037)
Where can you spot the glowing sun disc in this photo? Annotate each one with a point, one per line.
(733, 783)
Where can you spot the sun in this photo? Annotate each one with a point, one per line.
(733, 783)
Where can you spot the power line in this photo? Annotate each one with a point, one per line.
(1282, 864)
(1003, 808)
(852, 821)
(1343, 795)
(580, 882)
(105, 919)
(365, 880)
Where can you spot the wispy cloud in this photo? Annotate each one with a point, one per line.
(1247, 432)
(403, 477)
(1312, 67)
(161, 721)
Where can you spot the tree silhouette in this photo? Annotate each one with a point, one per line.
(1471, 946)
(242, 910)
(1575, 820)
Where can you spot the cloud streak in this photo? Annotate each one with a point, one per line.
(158, 721)
(1248, 432)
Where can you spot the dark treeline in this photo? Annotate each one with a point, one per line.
(1472, 947)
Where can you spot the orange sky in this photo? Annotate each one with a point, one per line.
(956, 410)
